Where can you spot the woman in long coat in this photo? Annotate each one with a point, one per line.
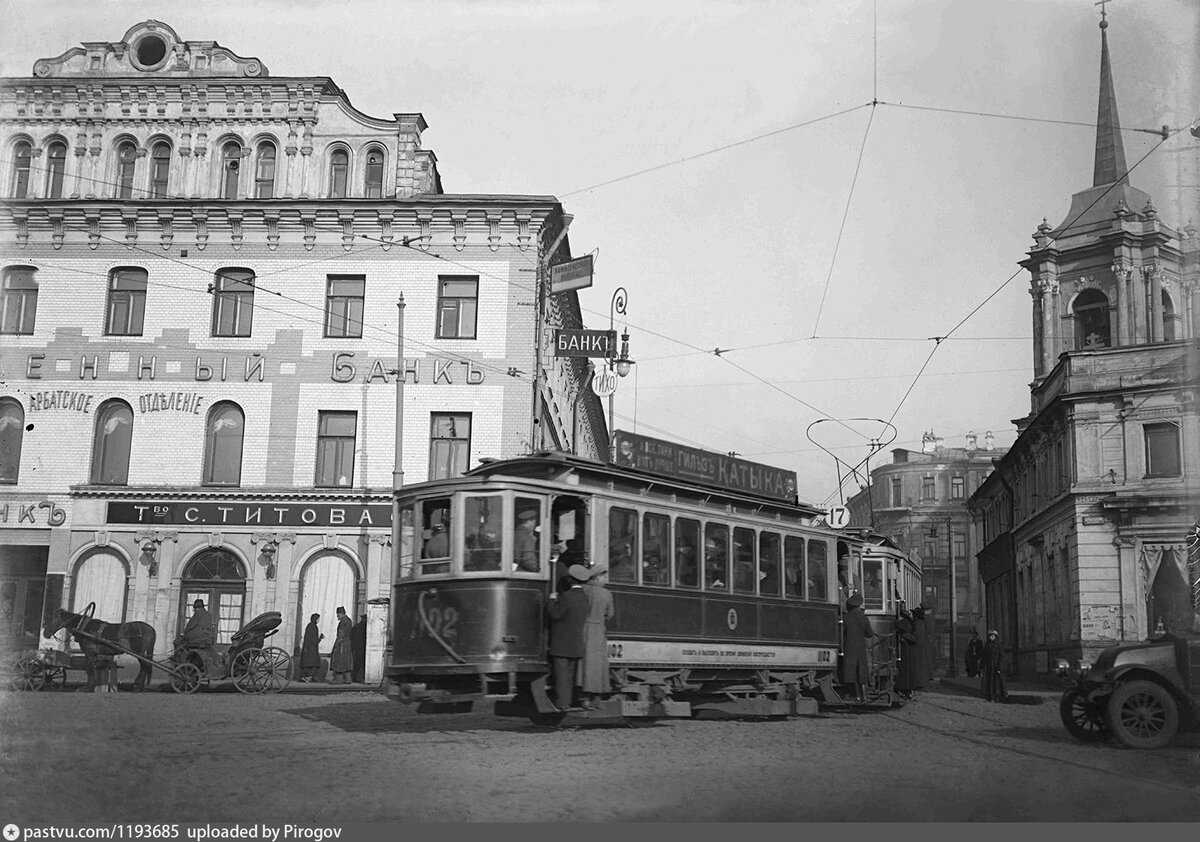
(912, 674)
(595, 679)
(310, 654)
(993, 669)
(856, 628)
(927, 634)
(341, 662)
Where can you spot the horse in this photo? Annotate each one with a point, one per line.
(136, 636)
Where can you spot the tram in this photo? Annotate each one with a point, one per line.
(726, 599)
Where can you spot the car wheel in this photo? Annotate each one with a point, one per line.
(1143, 714)
(1084, 719)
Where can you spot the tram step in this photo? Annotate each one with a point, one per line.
(802, 706)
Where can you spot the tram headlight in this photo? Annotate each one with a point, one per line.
(499, 652)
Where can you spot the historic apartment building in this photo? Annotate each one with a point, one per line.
(1083, 523)
(919, 501)
(200, 332)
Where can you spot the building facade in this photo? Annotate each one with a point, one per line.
(1082, 525)
(202, 346)
(919, 501)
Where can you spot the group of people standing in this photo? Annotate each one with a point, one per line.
(580, 608)
(986, 660)
(347, 661)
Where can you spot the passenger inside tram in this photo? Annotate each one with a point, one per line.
(526, 541)
(436, 533)
(483, 533)
(716, 558)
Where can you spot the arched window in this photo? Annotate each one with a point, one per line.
(339, 168)
(217, 577)
(18, 300)
(374, 175)
(12, 433)
(101, 578)
(112, 443)
(223, 445)
(264, 172)
(233, 302)
(126, 164)
(160, 170)
(1170, 326)
(231, 163)
(1091, 321)
(56, 168)
(22, 162)
(126, 302)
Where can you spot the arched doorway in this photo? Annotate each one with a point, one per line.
(327, 581)
(218, 577)
(101, 577)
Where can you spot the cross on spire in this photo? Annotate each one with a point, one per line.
(1103, 12)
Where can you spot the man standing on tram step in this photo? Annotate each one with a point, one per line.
(568, 616)
(910, 676)
(595, 678)
(923, 625)
(572, 555)
(856, 628)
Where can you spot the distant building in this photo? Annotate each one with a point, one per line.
(201, 265)
(1083, 523)
(919, 501)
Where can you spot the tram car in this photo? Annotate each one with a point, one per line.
(725, 599)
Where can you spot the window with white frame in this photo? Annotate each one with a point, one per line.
(335, 449)
(458, 301)
(18, 300)
(339, 172)
(56, 169)
(112, 443)
(344, 296)
(233, 302)
(22, 165)
(373, 177)
(1162, 449)
(126, 168)
(126, 302)
(449, 445)
(264, 172)
(160, 170)
(223, 444)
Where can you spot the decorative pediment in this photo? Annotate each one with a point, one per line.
(149, 48)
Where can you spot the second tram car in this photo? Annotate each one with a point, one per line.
(724, 600)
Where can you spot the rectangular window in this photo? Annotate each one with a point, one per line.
(716, 557)
(527, 538)
(656, 550)
(872, 584)
(344, 306)
(457, 304)
(622, 545)
(960, 547)
(928, 488)
(818, 571)
(126, 302)
(687, 553)
(435, 536)
(897, 500)
(449, 445)
(483, 525)
(743, 560)
(1162, 450)
(18, 301)
(768, 563)
(793, 566)
(233, 303)
(335, 449)
(958, 488)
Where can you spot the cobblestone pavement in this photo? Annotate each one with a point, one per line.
(355, 756)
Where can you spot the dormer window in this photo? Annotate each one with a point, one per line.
(150, 52)
(22, 162)
(160, 169)
(264, 172)
(126, 164)
(373, 189)
(339, 167)
(56, 168)
(231, 163)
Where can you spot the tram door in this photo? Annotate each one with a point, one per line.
(571, 536)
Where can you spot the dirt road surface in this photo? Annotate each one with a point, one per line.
(354, 757)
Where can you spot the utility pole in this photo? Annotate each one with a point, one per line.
(398, 467)
(952, 668)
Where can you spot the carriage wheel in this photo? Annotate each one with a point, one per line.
(276, 666)
(261, 670)
(247, 676)
(28, 674)
(186, 678)
(56, 676)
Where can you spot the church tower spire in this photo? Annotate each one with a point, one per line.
(1110, 152)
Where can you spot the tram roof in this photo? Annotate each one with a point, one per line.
(557, 465)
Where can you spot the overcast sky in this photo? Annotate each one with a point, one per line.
(675, 133)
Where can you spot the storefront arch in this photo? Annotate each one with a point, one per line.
(217, 576)
(101, 576)
(328, 579)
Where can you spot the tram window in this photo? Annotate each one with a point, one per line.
(622, 545)
(716, 557)
(873, 589)
(768, 563)
(435, 536)
(656, 550)
(687, 544)
(818, 571)
(406, 543)
(743, 560)
(793, 566)
(527, 544)
(482, 523)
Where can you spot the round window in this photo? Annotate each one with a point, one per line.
(151, 50)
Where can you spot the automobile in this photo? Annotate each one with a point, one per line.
(1141, 693)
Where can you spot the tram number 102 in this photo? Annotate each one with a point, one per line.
(614, 650)
(439, 622)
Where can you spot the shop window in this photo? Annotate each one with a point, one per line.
(687, 553)
(264, 172)
(126, 167)
(223, 445)
(22, 164)
(339, 170)
(126, 302)
(344, 296)
(56, 168)
(233, 302)
(449, 445)
(112, 443)
(1162, 449)
(768, 563)
(335, 449)
(160, 170)
(373, 187)
(1090, 311)
(793, 566)
(743, 560)
(231, 166)
(656, 549)
(818, 571)
(622, 544)
(12, 434)
(18, 300)
(457, 306)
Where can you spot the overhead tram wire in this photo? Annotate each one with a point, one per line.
(1163, 132)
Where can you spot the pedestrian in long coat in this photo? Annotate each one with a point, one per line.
(993, 669)
(595, 679)
(341, 662)
(568, 615)
(856, 628)
(310, 650)
(974, 654)
(358, 648)
(911, 674)
(927, 635)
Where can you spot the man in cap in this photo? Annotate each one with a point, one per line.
(568, 616)
(525, 542)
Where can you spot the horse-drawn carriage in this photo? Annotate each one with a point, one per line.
(252, 666)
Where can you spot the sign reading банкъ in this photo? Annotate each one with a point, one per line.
(251, 514)
(674, 460)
